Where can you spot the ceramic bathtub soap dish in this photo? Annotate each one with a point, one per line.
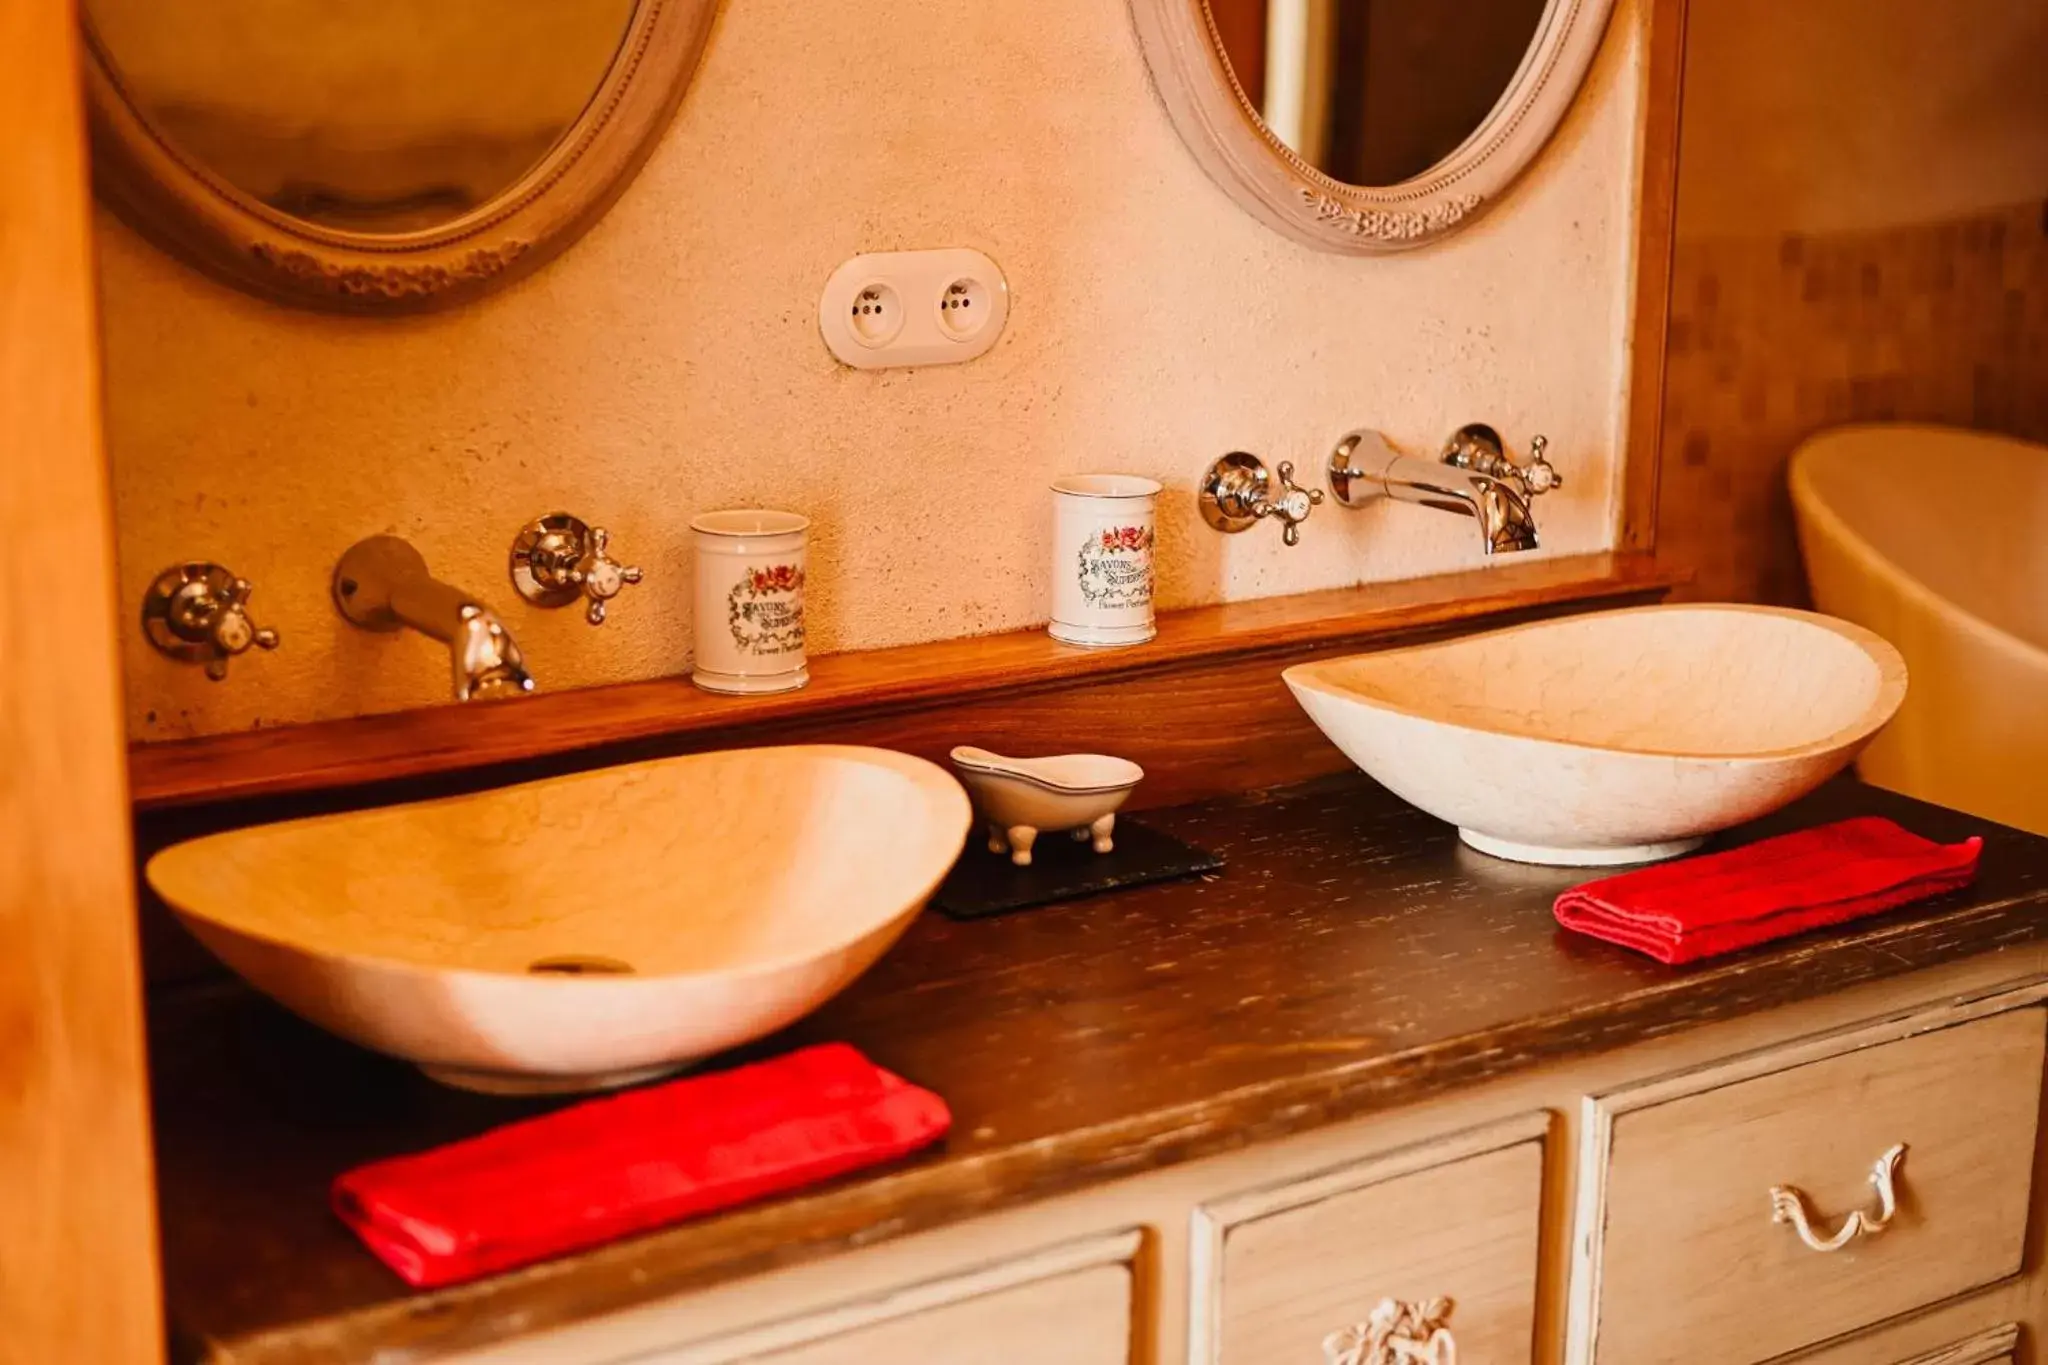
(1021, 798)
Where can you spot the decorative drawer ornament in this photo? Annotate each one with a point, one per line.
(1396, 1333)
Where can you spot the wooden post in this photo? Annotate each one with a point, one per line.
(1656, 218)
(78, 1272)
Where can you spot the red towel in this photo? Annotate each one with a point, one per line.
(611, 1167)
(1696, 907)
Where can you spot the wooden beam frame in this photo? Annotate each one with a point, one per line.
(1656, 223)
(78, 1261)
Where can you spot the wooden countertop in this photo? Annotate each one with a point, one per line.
(1352, 957)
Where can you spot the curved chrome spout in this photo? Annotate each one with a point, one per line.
(1364, 466)
(383, 584)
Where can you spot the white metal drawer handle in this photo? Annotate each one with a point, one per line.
(1396, 1332)
(1788, 1205)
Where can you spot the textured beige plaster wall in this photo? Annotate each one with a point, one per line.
(671, 363)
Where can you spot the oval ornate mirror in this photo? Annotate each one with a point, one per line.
(1367, 125)
(378, 155)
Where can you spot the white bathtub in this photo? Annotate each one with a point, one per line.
(1937, 539)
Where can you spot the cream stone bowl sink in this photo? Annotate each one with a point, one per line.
(584, 931)
(1617, 737)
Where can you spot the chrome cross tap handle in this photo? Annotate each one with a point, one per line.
(1539, 474)
(1237, 492)
(198, 613)
(559, 558)
(1293, 505)
(603, 577)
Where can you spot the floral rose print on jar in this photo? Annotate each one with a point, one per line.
(765, 610)
(1116, 567)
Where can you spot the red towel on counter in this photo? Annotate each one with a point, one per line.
(1697, 907)
(611, 1167)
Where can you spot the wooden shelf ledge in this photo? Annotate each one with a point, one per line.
(440, 740)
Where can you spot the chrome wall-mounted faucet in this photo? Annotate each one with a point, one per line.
(1473, 477)
(382, 584)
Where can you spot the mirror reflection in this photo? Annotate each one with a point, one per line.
(376, 116)
(1375, 92)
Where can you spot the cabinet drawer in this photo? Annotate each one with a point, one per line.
(1907, 1343)
(1695, 1187)
(1070, 1304)
(1278, 1270)
(1998, 1346)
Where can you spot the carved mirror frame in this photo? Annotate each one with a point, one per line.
(1269, 180)
(192, 212)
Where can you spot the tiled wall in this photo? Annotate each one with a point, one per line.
(1859, 229)
(1775, 337)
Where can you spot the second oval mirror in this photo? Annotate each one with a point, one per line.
(1368, 125)
(1374, 92)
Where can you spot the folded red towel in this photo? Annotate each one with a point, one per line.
(611, 1167)
(1696, 907)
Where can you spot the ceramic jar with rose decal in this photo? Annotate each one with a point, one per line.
(1102, 559)
(750, 601)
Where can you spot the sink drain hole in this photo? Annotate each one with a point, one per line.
(579, 966)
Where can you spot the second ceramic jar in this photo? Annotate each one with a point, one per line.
(1102, 559)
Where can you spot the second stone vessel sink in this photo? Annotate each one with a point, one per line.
(1616, 737)
(584, 931)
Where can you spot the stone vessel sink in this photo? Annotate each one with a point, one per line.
(1616, 737)
(584, 931)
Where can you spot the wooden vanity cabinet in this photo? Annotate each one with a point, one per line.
(1613, 1210)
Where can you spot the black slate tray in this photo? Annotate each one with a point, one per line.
(1063, 868)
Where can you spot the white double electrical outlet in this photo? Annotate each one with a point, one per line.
(913, 308)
